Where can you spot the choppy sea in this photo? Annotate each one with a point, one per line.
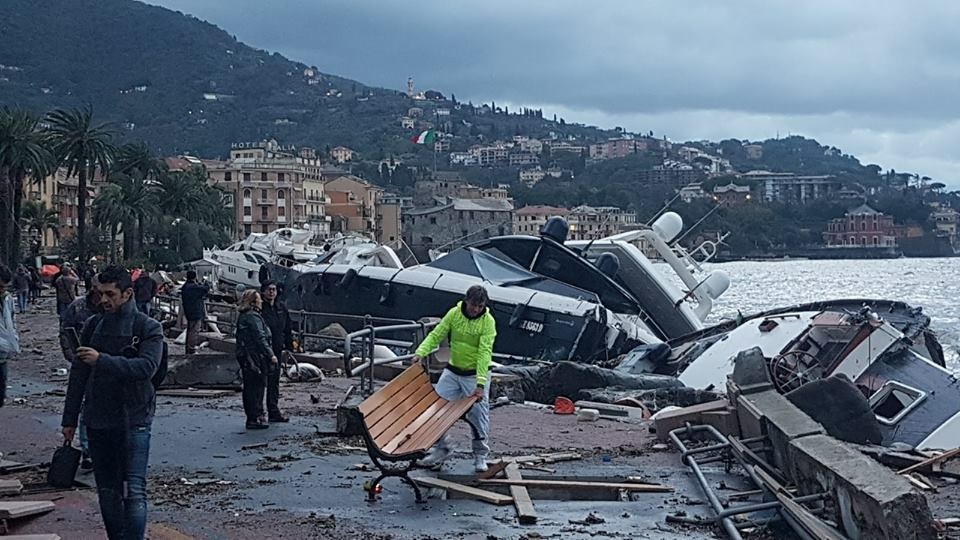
(933, 284)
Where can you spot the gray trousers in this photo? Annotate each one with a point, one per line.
(453, 387)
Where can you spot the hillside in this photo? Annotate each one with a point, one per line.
(184, 85)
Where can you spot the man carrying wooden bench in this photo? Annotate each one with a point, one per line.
(472, 331)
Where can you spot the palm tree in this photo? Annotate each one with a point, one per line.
(123, 203)
(137, 159)
(36, 217)
(183, 195)
(81, 147)
(23, 155)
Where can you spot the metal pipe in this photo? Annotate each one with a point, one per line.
(379, 362)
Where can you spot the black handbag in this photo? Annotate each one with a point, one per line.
(63, 466)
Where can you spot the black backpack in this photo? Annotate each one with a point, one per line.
(139, 326)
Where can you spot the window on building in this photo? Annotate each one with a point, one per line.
(263, 194)
(876, 240)
(471, 214)
(247, 211)
(246, 194)
(426, 240)
(279, 177)
(247, 230)
(263, 177)
(227, 176)
(264, 228)
(263, 213)
(281, 210)
(281, 195)
(246, 177)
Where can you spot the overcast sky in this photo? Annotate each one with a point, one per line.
(878, 78)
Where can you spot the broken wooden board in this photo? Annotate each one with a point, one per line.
(194, 393)
(494, 470)
(476, 493)
(652, 488)
(19, 509)
(521, 499)
(7, 466)
(544, 458)
(10, 487)
(32, 537)
(930, 462)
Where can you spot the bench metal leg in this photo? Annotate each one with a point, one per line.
(387, 471)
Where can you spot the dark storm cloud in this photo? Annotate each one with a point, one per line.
(876, 75)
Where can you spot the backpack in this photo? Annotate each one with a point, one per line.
(139, 325)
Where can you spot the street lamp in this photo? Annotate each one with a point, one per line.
(176, 223)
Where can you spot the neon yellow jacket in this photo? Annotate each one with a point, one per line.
(471, 341)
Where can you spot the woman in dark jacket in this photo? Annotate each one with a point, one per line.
(255, 356)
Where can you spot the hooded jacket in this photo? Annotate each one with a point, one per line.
(471, 341)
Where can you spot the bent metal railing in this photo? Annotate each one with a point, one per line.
(367, 336)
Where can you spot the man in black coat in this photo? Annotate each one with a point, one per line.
(192, 295)
(277, 317)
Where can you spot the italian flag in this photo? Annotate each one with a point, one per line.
(426, 137)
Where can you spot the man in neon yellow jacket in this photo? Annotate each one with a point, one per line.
(472, 331)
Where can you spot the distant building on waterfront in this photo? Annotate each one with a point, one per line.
(596, 222)
(732, 195)
(530, 219)
(353, 206)
(342, 154)
(266, 181)
(791, 188)
(455, 223)
(862, 227)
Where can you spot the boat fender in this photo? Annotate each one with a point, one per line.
(347, 279)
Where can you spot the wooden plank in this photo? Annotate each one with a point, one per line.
(429, 431)
(493, 470)
(432, 432)
(652, 488)
(194, 393)
(18, 509)
(31, 537)
(418, 385)
(409, 415)
(410, 431)
(382, 395)
(392, 411)
(476, 493)
(521, 499)
(10, 487)
(935, 459)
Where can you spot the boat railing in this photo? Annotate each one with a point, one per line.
(367, 336)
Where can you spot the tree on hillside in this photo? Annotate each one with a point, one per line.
(81, 148)
(135, 202)
(23, 155)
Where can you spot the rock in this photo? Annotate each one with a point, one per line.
(333, 330)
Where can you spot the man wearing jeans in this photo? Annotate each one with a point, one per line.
(120, 351)
(192, 295)
(472, 331)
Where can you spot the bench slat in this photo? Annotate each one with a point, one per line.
(432, 432)
(403, 412)
(380, 396)
(405, 419)
(412, 387)
(414, 427)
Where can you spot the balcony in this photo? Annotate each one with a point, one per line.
(248, 202)
(281, 219)
(248, 219)
(265, 202)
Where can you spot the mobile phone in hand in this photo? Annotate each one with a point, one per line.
(73, 340)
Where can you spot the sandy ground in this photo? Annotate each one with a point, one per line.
(306, 484)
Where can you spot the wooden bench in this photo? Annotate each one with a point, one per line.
(403, 420)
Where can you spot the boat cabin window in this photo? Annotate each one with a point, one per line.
(894, 400)
(825, 343)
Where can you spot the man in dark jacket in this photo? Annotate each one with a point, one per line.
(66, 287)
(277, 317)
(21, 284)
(72, 320)
(192, 295)
(144, 289)
(120, 352)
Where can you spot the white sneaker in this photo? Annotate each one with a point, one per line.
(435, 457)
(480, 464)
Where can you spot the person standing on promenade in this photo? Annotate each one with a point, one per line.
(120, 352)
(255, 356)
(472, 332)
(144, 289)
(72, 320)
(192, 295)
(9, 339)
(66, 287)
(277, 317)
(21, 284)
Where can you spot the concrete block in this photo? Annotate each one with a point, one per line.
(779, 419)
(667, 421)
(872, 501)
(609, 409)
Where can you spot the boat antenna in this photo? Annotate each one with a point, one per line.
(655, 216)
(694, 226)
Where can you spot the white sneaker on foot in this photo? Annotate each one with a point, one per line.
(480, 464)
(435, 457)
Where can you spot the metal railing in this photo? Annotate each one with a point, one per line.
(368, 340)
